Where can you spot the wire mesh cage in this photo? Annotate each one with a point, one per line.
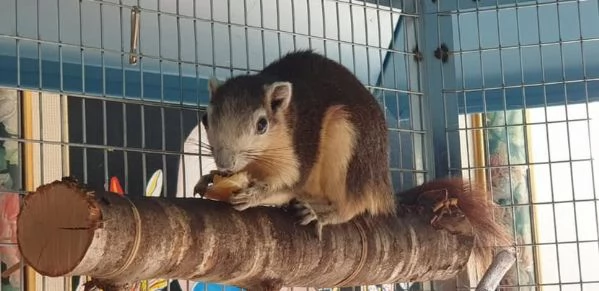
(518, 96)
(501, 92)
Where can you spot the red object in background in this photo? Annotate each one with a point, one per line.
(9, 252)
(115, 186)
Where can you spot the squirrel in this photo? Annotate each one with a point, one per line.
(308, 133)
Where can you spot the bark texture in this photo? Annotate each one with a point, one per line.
(65, 229)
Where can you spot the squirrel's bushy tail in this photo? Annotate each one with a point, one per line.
(490, 232)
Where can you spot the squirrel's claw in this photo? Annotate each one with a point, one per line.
(202, 186)
(318, 227)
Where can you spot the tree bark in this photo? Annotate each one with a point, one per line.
(66, 230)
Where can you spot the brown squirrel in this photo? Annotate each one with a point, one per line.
(308, 133)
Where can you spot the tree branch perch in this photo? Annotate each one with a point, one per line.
(66, 230)
(502, 262)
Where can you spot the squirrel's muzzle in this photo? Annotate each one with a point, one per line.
(225, 160)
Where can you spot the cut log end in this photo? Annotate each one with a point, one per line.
(71, 228)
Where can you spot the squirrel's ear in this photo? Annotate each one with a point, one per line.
(213, 84)
(278, 95)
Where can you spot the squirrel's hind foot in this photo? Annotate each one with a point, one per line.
(306, 215)
(304, 212)
(447, 206)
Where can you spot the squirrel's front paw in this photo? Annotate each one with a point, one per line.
(248, 197)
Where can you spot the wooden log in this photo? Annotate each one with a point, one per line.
(66, 230)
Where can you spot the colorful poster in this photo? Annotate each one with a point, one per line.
(9, 184)
(508, 179)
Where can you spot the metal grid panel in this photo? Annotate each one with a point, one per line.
(123, 119)
(519, 104)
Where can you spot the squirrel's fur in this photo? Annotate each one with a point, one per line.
(326, 142)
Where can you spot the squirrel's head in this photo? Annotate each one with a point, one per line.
(246, 120)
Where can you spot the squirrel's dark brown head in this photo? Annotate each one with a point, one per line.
(245, 120)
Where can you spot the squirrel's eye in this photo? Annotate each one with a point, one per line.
(261, 125)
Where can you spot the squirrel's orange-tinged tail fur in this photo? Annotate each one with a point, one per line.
(490, 232)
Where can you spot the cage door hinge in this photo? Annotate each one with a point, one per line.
(442, 53)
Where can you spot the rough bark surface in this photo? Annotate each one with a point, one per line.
(120, 240)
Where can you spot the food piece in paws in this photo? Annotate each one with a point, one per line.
(224, 186)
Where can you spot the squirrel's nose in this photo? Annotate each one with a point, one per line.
(225, 160)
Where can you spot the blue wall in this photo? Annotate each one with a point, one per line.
(111, 82)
